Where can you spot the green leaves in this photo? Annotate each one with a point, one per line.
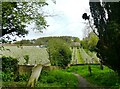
(106, 18)
(90, 42)
(59, 52)
(15, 16)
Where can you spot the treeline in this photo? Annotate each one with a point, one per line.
(44, 40)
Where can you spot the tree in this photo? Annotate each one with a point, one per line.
(15, 15)
(106, 18)
(76, 39)
(90, 42)
(24, 42)
(59, 52)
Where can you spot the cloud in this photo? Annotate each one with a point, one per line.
(68, 20)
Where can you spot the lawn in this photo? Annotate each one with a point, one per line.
(102, 78)
(57, 78)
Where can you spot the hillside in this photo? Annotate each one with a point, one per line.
(44, 40)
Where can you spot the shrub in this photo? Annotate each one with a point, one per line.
(7, 77)
(9, 64)
(24, 77)
(26, 57)
(9, 67)
(59, 52)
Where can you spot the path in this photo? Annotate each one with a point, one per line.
(82, 81)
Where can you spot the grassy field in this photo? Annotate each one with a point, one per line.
(53, 78)
(102, 78)
(36, 55)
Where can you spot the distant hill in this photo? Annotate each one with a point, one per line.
(44, 40)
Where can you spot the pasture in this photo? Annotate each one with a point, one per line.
(36, 55)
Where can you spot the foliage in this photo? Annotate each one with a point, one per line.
(53, 78)
(26, 57)
(57, 78)
(9, 64)
(108, 28)
(24, 42)
(9, 67)
(44, 40)
(24, 77)
(15, 15)
(3, 41)
(76, 39)
(7, 76)
(105, 78)
(90, 42)
(59, 52)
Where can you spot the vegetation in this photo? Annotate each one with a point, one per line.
(53, 78)
(26, 57)
(90, 42)
(24, 43)
(108, 29)
(16, 14)
(9, 68)
(57, 78)
(59, 52)
(103, 78)
(74, 56)
(44, 40)
(80, 60)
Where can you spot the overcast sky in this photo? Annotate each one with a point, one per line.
(67, 22)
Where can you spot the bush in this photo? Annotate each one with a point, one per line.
(26, 57)
(59, 52)
(24, 77)
(9, 64)
(7, 77)
(9, 67)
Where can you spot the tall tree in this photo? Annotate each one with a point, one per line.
(107, 21)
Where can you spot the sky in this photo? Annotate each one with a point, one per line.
(67, 20)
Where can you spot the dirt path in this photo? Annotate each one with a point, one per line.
(82, 81)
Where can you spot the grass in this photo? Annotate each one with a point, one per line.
(85, 56)
(14, 84)
(38, 55)
(57, 78)
(103, 78)
(53, 78)
(80, 60)
(93, 55)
